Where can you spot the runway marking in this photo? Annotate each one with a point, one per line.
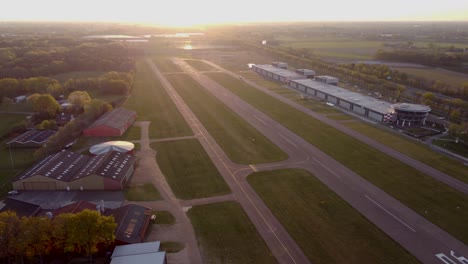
(394, 216)
(253, 168)
(287, 139)
(260, 120)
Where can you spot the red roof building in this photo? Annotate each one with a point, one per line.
(113, 123)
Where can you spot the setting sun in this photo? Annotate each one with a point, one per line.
(185, 13)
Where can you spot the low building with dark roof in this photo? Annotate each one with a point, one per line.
(113, 123)
(67, 170)
(31, 139)
(132, 223)
(19, 207)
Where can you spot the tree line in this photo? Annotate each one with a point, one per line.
(24, 58)
(33, 238)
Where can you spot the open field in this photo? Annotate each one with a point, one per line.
(226, 235)
(346, 49)
(448, 142)
(189, 170)
(8, 121)
(110, 98)
(152, 103)
(63, 77)
(455, 79)
(326, 228)
(164, 218)
(199, 65)
(241, 142)
(413, 149)
(166, 65)
(19, 107)
(340, 117)
(142, 192)
(434, 200)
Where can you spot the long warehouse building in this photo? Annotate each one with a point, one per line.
(367, 106)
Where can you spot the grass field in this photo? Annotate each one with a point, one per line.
(200, 65)
(339, 117)
(346, 49)
(63, 77)
(326, 228)
(449, 143)
(152, 103)
(189, 170)
(455, 79)
(142, 192)
(226, 235)
(8, 121)
(241, 142)
(166, 65)
(413, 188)
(164, 218)
(16, 107)
(413, 149)
(171, 247)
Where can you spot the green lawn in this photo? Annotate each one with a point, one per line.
(142, 192)
(164, 218)
(449, 143)
(200, 65)
(413, 188)
(340, 117)
(171, 247)
(226, 235)
(413, 149)
(8, 121)
(241, 142)
(189, 170)
(327, 229)
(166, 65)
(152, 103)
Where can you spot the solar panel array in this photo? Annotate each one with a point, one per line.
(33, 136)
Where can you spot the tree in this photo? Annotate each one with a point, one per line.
(44, 104)
(35, 236)
(9, 230)
(89, 229)
(47, 125)
(60, 233)
(427, 98)
(78, 99)
(454, 115)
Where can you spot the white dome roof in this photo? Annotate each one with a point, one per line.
(120, 146)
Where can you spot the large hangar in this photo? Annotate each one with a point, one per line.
(67, 170)
(360, 104)
(276, 73)
(113, 123)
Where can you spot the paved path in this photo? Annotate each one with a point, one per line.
(148, 171)
(415, 233)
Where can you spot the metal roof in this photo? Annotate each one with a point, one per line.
(35, 136)
(69, 166)
(279, 71)
(132, 222)
(411, 107)
(120, 146)
(138, 248)
(368, 102)
(150, 258)
(116, 118)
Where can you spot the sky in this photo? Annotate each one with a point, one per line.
(194, 12)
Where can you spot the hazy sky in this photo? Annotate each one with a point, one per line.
(187, 12)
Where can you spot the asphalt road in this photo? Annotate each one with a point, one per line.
(420, 237)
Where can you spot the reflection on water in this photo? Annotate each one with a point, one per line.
(188, 47)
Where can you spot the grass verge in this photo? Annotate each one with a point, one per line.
(430, 198)
(241, 142)
(327, 229)
(226, 235)
(142, 192)
(189, 170)
(149, 99)
(164, 218)
(166, 65)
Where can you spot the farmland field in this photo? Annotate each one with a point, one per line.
(455, 79)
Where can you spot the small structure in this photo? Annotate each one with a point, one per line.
(327, 79)
(310, 74)
(19, 207)
(278, 64)
(120, 146)
(63, 118)
(113, 123)
(277, 74)
(410, 114)
(141, 253)
(132, 223)
(31, 139)
(20, 99)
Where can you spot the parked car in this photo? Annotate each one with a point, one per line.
(14, 192)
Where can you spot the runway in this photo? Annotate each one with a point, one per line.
(424, 240)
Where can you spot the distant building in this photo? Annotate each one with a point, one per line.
(276, 74)
(278, 64)
(113, 123)
(63, 118)
(20, 99)
(411, 114)
(141, 253)
(310, 74)
(67, 170)
(31, 139)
